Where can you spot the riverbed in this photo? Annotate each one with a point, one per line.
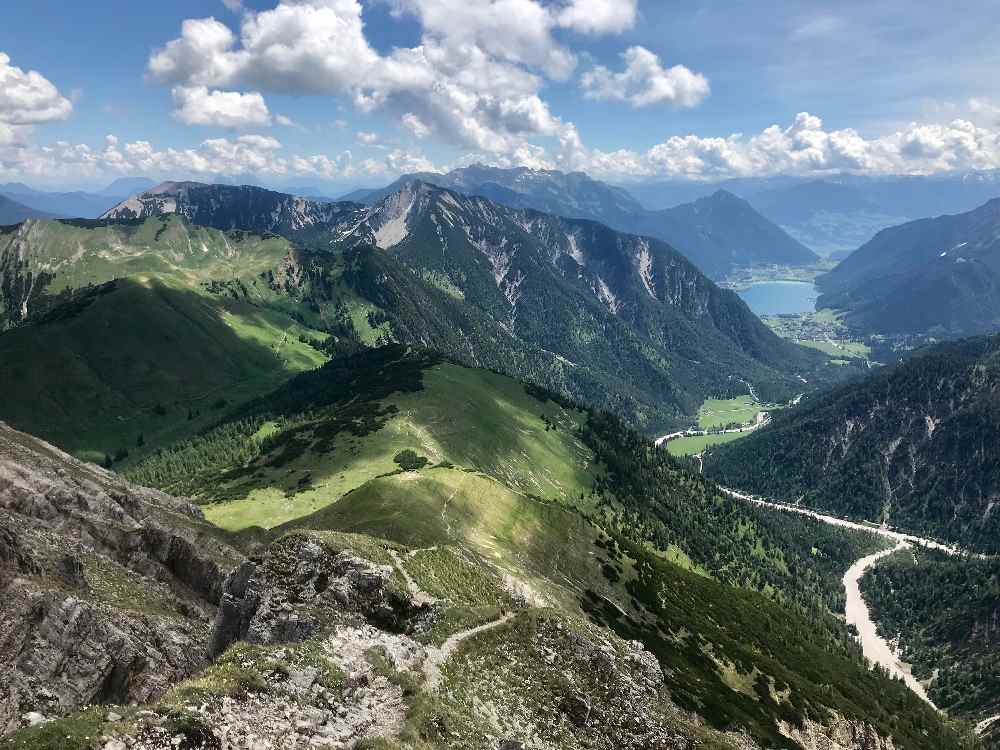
(876, 649)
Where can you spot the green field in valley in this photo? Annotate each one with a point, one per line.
(840, 348)
(721, 412)
(689, 446)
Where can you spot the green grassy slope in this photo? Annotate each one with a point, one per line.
(306, 446)
(327, 433)
(116, 331)
(151, 359)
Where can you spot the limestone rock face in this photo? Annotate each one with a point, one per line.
(838, 735)
(301, 584)
(108, 590)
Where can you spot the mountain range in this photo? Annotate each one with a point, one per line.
(837, 214)
(718, 232)
(939, 276)
(615, 319)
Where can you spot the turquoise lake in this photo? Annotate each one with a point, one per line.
(779, 297)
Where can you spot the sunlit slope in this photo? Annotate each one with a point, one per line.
(473, 481)
(730, 656)
(329, 432)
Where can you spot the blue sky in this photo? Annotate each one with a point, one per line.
(345, 92)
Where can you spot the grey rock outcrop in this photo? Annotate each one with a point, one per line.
(108, 590)
(299, 585)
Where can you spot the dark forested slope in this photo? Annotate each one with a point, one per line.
(916, 446)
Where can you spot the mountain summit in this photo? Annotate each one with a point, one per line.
(718, 233)
(231, 207)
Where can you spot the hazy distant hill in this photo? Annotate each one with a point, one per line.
(834, 215)
(12, 212)
(70, 205)
(938, 275)
(721, 232)
(124, 186)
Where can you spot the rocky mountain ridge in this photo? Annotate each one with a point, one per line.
(718, 232)
(229, 207)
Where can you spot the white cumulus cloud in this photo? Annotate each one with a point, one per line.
(599, 16)
(517, 31)
(644, 82)
(197, 105)
(805, 147)
(474, 80)
(251, 156)
(28, 97)
(415, 125)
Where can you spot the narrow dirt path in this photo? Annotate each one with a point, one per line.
(436, 657)
(419, 595)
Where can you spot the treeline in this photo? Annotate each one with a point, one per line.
(182, 468)
(279, 422)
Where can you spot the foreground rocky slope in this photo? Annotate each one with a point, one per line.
(109, 590)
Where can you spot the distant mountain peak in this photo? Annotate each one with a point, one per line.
(724, 195)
